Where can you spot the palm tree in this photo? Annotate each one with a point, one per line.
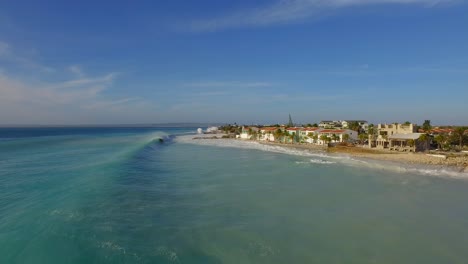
(425, 139)
(335, 137)
(345, 137)
(324, 138)
(371, 130)
(315, 137)
(362, 138)
(459, 133)
(354, 126)
(292, 136)
(440, 139)
(278, 133)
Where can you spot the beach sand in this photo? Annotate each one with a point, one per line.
(459, 161)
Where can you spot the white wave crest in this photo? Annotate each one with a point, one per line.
(315, 161)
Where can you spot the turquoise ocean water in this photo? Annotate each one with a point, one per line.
(118, 195)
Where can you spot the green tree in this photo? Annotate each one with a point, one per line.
(427, 126)
(440, 139)
(354, 126)
(458, 134)
(424, 138)
(292, 137)
(278, 134)
(315, 137)
(407, 123)
(324, 138)
(335, 137)
(362, 138)
(345, 137)
(314, 125)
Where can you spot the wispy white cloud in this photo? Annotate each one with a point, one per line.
(228, 84)
(289, 11)
(8, 54)
(59, 102)
(82, 99)
(75, 69)
(102, 80)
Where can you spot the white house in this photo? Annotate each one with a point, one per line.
(363, 123)
(329, 124)
(246, 132)
(268, 133)
(353, 135)
(308, 133)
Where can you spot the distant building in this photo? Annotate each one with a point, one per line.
(362, 123)
(329, 124)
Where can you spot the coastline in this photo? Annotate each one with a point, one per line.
(457, 162)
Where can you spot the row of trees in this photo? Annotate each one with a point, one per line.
(458, 138)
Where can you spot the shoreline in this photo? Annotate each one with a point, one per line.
(457, 162)
(460, 162)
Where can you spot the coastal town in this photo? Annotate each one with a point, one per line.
(404, 137)
(400, 142)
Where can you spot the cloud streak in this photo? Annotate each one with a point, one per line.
(291, 11)
(81, 99)
(7, 54)
(228, 84)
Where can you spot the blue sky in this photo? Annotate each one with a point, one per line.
(92, 62)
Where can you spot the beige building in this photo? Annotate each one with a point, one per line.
(396, 136)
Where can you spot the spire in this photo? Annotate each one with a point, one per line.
(290, 123)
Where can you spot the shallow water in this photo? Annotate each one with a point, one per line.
(121, 196)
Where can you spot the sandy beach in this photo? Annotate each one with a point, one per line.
(460, 160)
(457, 160)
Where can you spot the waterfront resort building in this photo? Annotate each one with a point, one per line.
(401, 137)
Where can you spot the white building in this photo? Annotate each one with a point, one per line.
(352, 135)
(268, 133)
(362, 123)
(329, 124)
(308, 133)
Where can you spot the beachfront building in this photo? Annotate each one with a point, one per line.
(295, 132)
(336, 135)
(309, 134)
(405, 142)
(401, 137)
(247, 132)
(267, 133)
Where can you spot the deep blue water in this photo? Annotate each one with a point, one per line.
(119, 195)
